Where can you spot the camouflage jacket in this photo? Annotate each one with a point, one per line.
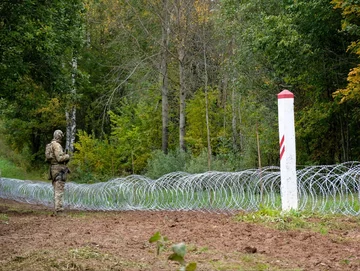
(60, 157)
(58, 163)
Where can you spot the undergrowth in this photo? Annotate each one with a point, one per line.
(9, 169)
(297, 220)
(17, 165)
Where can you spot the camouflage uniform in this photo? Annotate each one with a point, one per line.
(58, 170)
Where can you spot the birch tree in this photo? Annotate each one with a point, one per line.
(165, 30)
(71, 110)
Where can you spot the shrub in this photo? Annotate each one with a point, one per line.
(93, 159)
(199, 164)
(160, 164)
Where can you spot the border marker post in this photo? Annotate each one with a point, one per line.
(289, 193)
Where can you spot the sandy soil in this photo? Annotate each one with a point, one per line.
(31, 239)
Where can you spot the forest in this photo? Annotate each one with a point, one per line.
(156, 86)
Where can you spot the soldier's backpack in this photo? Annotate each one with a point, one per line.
(49, 153)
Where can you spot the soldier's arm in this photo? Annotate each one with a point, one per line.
(60, 155)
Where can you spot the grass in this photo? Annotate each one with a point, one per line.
(87, 253)
(296, 220)
(76, 259)
(8, 169)
(248, 262)
(7, 212)
(14, 164)
(4, 218)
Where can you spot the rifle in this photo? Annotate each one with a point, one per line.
(63, 173)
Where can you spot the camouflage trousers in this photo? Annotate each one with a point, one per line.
(59, 186)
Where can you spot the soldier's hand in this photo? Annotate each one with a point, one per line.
(67, 158)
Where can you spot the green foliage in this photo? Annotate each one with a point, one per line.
(160, 164)
(258, 115)
(179, 251)
(4, 219)
(196, 135)
(94, 159)
(135, 134)
(296, 220)
(161, 242)
(38, 40)
(254, 49)
(199, 164)
(276, 218)
(9, 170)
(18, 165)
(286, 45)
(311, 125)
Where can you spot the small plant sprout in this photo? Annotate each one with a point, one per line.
(4, 218)
(179, 251)
(160, 242)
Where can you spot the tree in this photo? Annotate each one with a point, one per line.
(183, 18)
(165, 31)
(134, 135)
(351, 13)
(294, 45)
(37, 38)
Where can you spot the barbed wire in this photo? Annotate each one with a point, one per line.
(324, 189)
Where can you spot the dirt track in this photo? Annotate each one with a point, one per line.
(33, 240)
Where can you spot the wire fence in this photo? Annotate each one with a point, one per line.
(324, 189)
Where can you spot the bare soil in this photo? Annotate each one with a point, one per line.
(31, 239)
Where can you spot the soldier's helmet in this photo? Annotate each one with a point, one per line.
(58, 135)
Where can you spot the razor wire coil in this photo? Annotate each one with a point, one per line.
(325, 189)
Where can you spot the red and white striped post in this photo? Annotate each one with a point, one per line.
(289, 193)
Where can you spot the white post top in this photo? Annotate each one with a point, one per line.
(285, 94)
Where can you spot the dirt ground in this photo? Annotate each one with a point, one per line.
(31, 239)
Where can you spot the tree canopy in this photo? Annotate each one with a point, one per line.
(192, 76)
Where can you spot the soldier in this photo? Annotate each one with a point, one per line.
(58, 169)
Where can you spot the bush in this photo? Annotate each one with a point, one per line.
(14, 164)
(199, 164)
(93, 161)
(160, 164)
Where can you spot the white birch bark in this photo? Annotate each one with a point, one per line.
(71, 112)
(164, 78)
(181, 21)
(182, 102)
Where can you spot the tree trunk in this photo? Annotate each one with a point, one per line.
(181, 23)
(164, 78)
(71, 112)
(259, 162)
(241, 145)
(344, 140)
(234, 120)
(207, 104)
(182, 101)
